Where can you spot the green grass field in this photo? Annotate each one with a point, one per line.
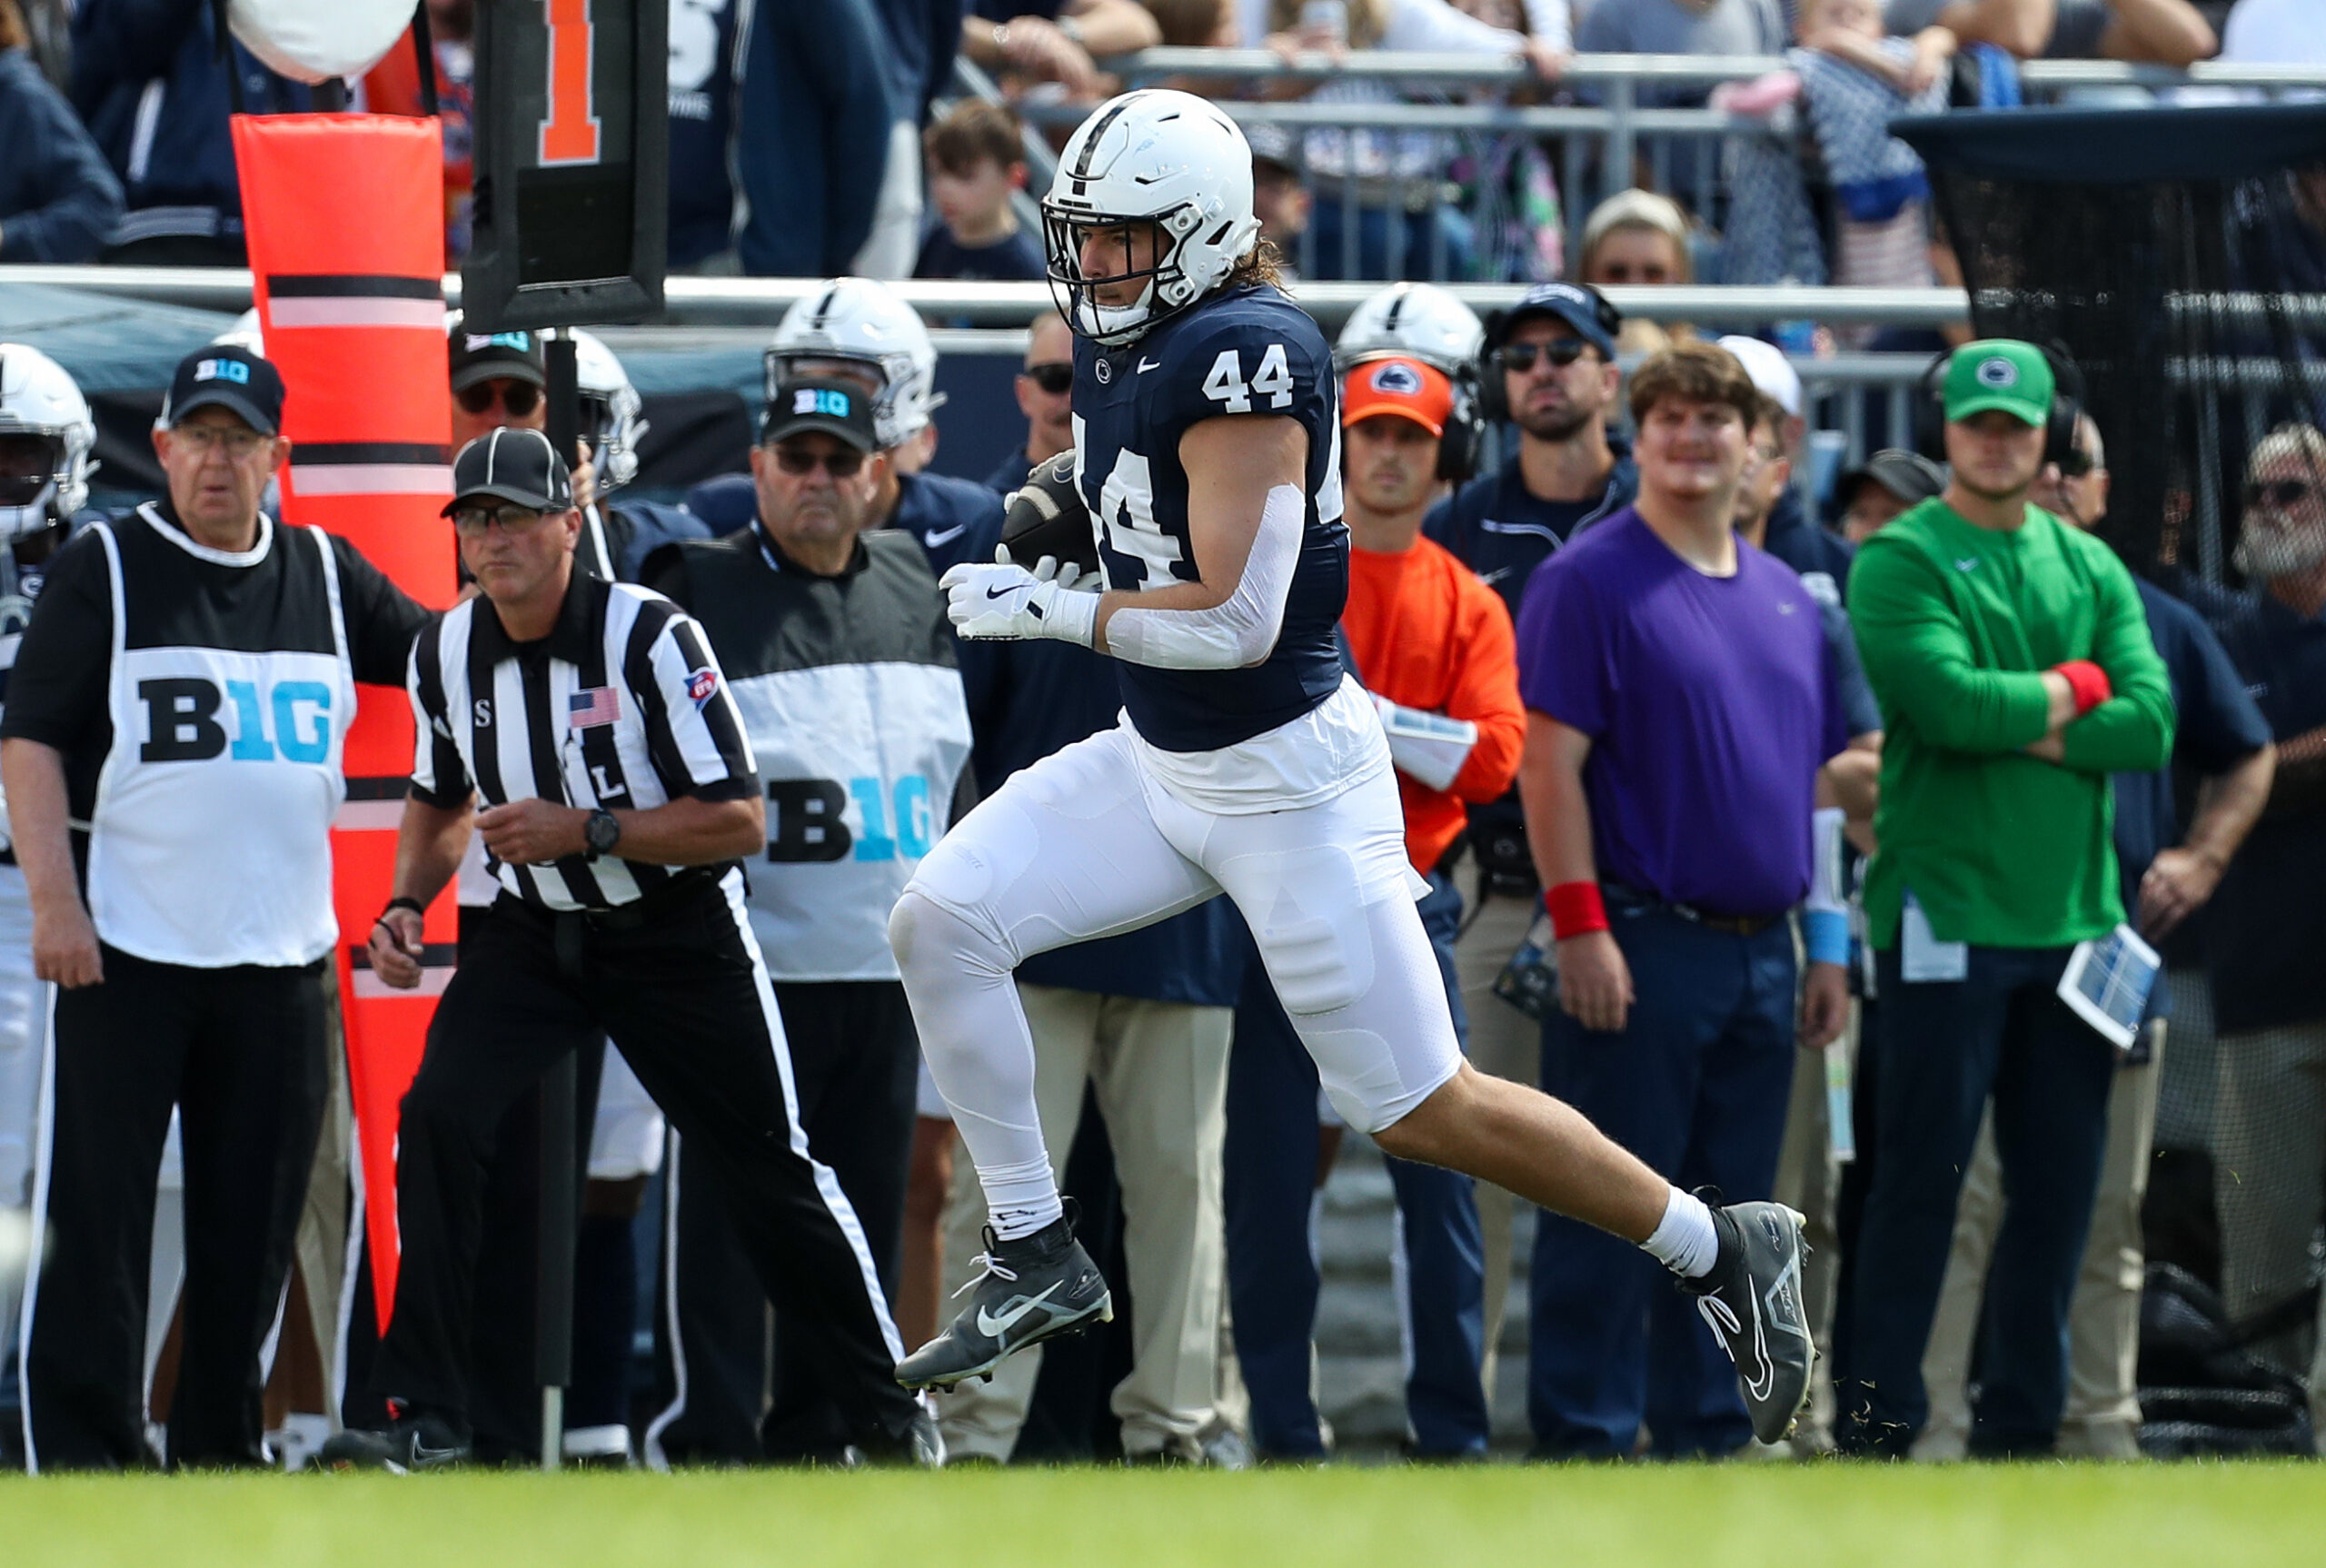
(2029, 1516)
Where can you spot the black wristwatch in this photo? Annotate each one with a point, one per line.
(601, 832)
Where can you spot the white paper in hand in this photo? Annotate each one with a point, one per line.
(2107, 983)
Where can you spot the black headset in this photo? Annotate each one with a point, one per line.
(1494, 401)
(2059, 431)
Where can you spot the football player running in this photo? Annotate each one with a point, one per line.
(1207, 452)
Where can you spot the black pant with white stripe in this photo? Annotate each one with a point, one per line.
(856, 1065)
(679, 987)
(240, 1052)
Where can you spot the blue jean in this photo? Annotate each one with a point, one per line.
(1272, 1279)
(1696, 1085)
(1944, 1048)
(1376, 241)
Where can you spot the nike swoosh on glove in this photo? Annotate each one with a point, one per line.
(1005, 602)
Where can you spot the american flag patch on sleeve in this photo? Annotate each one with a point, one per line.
(588, 709)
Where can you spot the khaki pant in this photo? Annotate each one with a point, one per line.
(1809, 1179)
(1508, 1044)
(1160, 1073)
(2102, 1418)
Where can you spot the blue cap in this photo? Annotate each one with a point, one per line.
(1579, 305)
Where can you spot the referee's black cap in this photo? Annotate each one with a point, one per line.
(516, 356)
(223, 375)
(838, 408)
(512, 466)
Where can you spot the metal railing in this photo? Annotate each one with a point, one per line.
(1602, 138)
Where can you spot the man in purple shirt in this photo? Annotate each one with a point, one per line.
(1680, 706)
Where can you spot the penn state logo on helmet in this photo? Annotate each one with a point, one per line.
(1158, 172)
(1997, 372)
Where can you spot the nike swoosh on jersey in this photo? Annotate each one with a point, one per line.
(1146, 364)
(994, 1327)
(943, 536)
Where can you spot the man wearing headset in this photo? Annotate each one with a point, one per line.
(2016, 670)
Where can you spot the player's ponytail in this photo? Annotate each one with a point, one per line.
(1263, 263)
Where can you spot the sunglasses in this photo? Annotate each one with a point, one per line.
(518, 398)
(1054, 378)
(475, 520)
(1561, 352)
(2075, 465)
(839, 464)
(2285, 492)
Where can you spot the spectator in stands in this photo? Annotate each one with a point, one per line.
(2016, 673)
(833, 637)
(2268, 919)
(2167, 31)
(1718, 28)
(816, 125)
(976, 164)
(58, 201)
(1194, 23)
(1551, 364)
(1883, 487)
(1056, 40)
(861, 332)
(2272, 33)
(1279, 194)
(703, 154)
(392, 87)
(1046, 397)
(1432, 645)
(151, 81)
(1680, 709)
(2221, 740)
(1401, 227)
(1637, 239)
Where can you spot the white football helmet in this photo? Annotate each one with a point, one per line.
(245, 334)
(610, 411)
(1419, 320)
(38, 399)
(861, 319)
(1161, 157)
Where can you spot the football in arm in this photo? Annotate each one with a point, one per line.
(1046, 517)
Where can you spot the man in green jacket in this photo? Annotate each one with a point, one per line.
(2012, 660)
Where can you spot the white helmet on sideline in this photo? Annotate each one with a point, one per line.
(610, 412)
(245, 334)
(861, 319)
(1419, 321)
(38, 400)
(1154, 156)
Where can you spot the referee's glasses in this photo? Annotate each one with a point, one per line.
(473, 520)
(518, 398)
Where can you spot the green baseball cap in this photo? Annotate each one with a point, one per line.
(1999, 373)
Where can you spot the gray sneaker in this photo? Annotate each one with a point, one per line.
(413, 1442)
(1752, 1299)
(1034, 1288)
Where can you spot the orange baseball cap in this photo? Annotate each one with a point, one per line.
(1407, 388)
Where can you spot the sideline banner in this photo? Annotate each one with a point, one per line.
(344, 214)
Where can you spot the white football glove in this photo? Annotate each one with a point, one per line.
(1004, 602)
(1050, 568)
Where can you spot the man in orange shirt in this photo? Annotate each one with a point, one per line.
(1434, 645)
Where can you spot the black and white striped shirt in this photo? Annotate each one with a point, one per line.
(622, 705)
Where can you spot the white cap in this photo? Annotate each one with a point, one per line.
(1770, 370)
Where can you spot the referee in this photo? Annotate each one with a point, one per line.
(591, 723)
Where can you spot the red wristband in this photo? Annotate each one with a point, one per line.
(2088, 681)
(1575, 908)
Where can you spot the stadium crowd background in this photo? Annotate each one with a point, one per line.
(829, 138)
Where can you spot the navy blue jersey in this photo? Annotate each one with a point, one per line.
(1498, 529)
(1249, 352)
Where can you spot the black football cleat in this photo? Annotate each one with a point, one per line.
(1035, 1288)
(413, 1441)
(1752, 1300)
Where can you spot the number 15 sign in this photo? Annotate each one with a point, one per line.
(573, 163)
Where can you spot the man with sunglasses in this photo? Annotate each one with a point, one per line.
(2016, 673)
(1046, 397)
(2223, 740)
(2267, 921)
(841, 661)
(172, 746)
(589, 733)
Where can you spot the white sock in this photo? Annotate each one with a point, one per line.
(1684, 1241)
(1023, 1199)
